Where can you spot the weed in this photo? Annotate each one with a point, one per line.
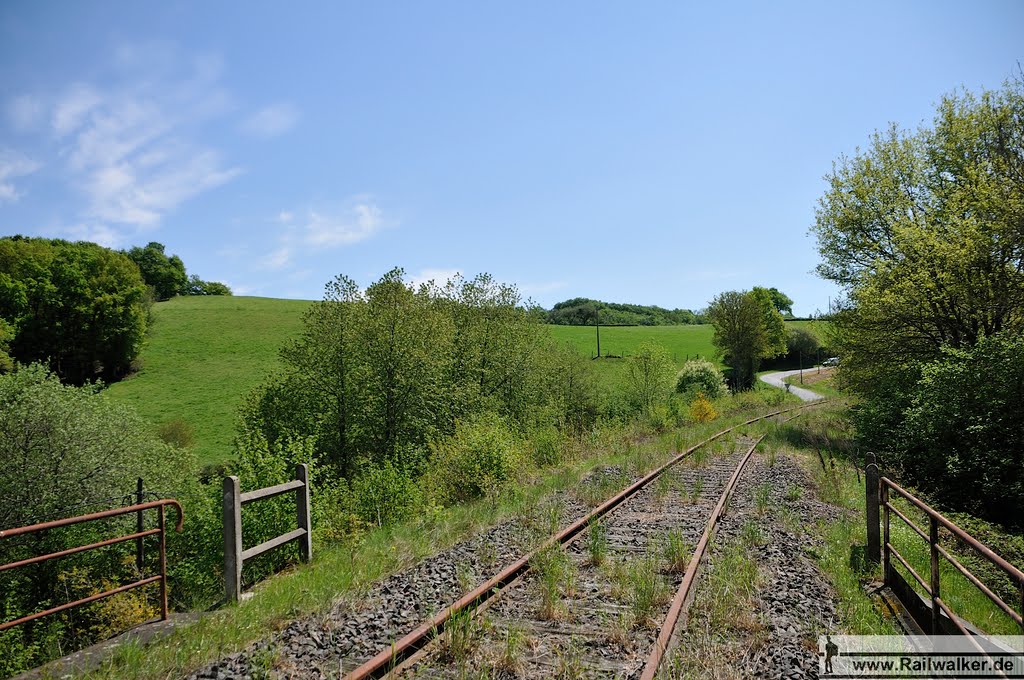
(646, 589)
(727, 600)
(676, 551)
(793, 492)
(751, 534)
(553, 514)
(597, 543)
(261, 663)
(762, 496)
(661, 488)
(487, 553)
(570, 662)
(619, 631)
(465, 577)
(699, 458)
(461, 637)
(791, 521)
(773, 454)
(553, 567)
(696, 489)
(512, 645)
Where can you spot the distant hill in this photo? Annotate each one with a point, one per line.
(584, 311)
(203, 355)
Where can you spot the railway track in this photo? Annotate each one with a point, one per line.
(595, 599)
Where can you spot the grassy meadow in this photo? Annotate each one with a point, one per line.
(202, 356)
(680, 341)
(205, 353)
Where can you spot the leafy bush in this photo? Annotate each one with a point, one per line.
(703, 376)
(702, 410)
(480, 458)
(964, 428)
(546, 446)
(384, 495)
(68, 451)
(648, 376)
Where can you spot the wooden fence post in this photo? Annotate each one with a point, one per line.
(232, 538)
(302, 508)
(886, 565)
(874, 547)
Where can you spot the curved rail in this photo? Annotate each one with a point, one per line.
(402, 651)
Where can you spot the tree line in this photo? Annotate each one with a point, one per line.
(586, 312)
(81, 308)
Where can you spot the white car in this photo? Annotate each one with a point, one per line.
(831, 361)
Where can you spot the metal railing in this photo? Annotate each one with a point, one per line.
(878, 492)
(160, 531)
(234, 499)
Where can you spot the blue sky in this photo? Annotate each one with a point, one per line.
(655, 153)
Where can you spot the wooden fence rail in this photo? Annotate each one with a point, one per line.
(234, 499)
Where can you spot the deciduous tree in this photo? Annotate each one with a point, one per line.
(79, 307)
(747, 329)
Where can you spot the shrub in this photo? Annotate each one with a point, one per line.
(963, 429)
(479, 459)
(701, 375)
(384, 495)
(701, 409)
(648, 376)
(177, 433)
(546, 446)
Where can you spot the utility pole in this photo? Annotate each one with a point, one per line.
(801, 367)
(597, 323)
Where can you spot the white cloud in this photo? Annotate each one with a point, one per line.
(12, 166)
(277, 260)
(26, 112)
(129, 148)
(271, 121)
(316, 230)
(438, 276)
(356, 224)
(240, 289)
(72, 108)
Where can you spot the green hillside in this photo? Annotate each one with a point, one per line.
(680, 341)
(203, 355)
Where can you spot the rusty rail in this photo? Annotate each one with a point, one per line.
(933, 587)
(677, 609)
(404, 649)
(44, 526)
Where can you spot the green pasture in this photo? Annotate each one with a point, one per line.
(681, 342)
(202, 357)
(205, 353)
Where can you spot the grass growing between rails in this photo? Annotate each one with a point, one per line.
(202, 356)
(842, 558)
(344, 570)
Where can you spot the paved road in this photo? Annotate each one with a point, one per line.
(778, 378)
